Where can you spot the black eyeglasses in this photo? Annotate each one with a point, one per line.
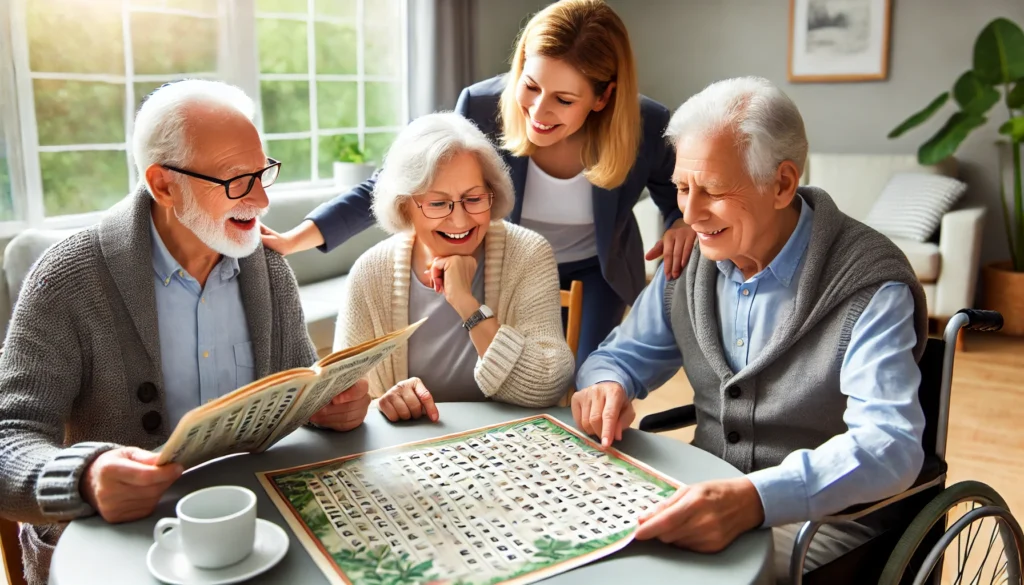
(238, 187)
(473, 203)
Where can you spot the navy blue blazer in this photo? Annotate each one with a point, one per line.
(619, 246)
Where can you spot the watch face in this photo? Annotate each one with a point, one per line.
(486, 311)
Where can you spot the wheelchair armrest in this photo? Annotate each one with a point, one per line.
(933, 470)
(669, 420)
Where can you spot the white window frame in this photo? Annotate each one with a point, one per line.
(238, 63)
(360, 78)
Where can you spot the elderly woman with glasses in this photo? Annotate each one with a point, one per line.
(487, 289)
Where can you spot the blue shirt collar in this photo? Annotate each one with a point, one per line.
(786, 262)
(166, 266)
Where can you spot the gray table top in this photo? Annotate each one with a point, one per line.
(92, 551)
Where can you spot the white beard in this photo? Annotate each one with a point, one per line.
(214, 232)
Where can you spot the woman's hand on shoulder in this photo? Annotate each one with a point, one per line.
(675, 245)
(303, 237)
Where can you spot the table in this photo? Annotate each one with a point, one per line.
(92, 551)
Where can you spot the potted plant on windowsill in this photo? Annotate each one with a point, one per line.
(350, 164)
(997, 76)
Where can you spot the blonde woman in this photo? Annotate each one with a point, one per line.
(488, 289)
(581, 143)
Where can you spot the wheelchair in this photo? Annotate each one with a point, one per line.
(934, 526)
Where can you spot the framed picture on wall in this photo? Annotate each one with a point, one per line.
(838, 40)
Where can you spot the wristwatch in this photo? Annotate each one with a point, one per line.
(484, 312)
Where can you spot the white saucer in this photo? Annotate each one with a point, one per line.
(173, 568)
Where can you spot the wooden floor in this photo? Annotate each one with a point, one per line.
(986, 420)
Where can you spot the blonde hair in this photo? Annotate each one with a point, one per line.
(419, 150)
(589, 36)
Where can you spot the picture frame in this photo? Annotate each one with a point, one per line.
(839, 40)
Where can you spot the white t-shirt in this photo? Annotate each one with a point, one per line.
(561, 210)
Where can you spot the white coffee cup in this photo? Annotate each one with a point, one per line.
(215, 527)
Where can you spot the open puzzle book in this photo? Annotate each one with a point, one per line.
(253, 417)
(510, 503)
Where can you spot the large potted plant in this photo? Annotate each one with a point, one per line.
(350, 164)
(997, 77)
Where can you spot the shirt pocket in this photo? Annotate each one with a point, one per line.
(245, 367)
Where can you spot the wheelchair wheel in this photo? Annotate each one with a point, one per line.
(982, 542)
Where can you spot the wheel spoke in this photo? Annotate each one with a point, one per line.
(970, 544)
(992, 539)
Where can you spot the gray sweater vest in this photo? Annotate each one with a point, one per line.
(788, 396)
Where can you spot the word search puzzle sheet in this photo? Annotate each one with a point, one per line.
(510, 503)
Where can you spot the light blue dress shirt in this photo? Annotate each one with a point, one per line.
(879, 455)
(205, 350)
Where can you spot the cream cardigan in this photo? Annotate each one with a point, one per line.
(529, 362)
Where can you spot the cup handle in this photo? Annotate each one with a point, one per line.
(167, 533)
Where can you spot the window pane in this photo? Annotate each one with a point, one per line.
(208, 6)
(377, 144)
(329, 152)
(82, 181)
(335, 48)
(337, 104)
(285, 106)
(294, 156)
(79, 112)
(294, 6)
(169, 43)
(75, 36)
(336, 8)
(383, 51)
(381, 12)
(6, 199)
(282, 46)
(383, 104)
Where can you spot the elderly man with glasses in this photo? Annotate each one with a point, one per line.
(170, 301)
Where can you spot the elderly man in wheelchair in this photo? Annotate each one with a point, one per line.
(800, 330)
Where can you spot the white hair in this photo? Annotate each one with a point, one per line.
(159, 134)
(764, 118)
(419, 150)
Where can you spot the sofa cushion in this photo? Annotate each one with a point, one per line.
(924, 258)
(320, 303)
(911, 205)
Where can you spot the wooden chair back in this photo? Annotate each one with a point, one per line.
(572, 299)
(10, 548)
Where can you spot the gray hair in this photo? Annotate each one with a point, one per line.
(766, 120)
(419, 150)
(159, 134)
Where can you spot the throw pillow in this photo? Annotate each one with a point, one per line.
(912, 204)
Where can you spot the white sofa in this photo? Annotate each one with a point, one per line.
(947, 267)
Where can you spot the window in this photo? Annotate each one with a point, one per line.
(330, 71)
(320, 70)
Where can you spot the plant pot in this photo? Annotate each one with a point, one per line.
(1003, 289)
(347, 175)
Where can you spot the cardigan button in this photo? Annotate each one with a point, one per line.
(151, 421)
(735, 392)
(733, 437)
(146, 392)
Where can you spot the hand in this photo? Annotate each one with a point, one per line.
(408, 399)
(303, 237)
(453, 276)
(676, 245)
(125, 484)
(603, 410)
(347, 410)
(704, 517)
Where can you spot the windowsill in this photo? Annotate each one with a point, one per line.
(284, 192)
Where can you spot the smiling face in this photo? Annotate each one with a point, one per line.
(555, 99)
(733, 218)
(459, 233)
(225, 145)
